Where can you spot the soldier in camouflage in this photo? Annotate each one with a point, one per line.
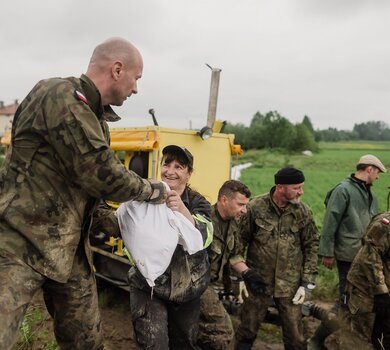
(280, 242)
(59, 167)
(215, 327)
(367, 313)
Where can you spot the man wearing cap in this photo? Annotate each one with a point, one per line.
(350, 206)
(280, 239)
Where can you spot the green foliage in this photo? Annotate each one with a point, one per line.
(327, 284)
(303, 140)
(372, 130)
(33, 333)
(307, 122)
(273, 131)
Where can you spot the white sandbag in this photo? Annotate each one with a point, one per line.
(151, 233)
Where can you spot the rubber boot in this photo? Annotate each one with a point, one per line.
(317, 341)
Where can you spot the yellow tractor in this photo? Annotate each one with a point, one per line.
(140, 149)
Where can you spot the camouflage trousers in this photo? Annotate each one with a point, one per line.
(254, 311)
(161, 324)
(215, 326)
(73, 305)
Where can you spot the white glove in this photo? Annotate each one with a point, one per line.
(242, 292)
(299, 297)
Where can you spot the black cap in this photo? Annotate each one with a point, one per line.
(174, 149)
(289, 176)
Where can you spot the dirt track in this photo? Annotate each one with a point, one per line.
(118, 329)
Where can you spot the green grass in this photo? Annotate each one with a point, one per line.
(33, 331)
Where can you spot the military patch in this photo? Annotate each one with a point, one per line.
(385, 221)
(80, 96)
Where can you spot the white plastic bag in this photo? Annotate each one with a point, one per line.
(151, 233)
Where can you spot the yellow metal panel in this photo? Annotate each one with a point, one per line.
(212, 157)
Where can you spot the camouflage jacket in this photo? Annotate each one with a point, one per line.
(187, 276)
(223, 246)
(349, 209)
(58, 167)
(282, 245)
(370, 270)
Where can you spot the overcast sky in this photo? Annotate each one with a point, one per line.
(328, 59)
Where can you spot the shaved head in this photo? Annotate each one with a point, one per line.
(114, 67)
(113, 49)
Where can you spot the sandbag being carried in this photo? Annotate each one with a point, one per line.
(151, 233)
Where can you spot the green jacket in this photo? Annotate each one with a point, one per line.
(370, 270)
(349, 209)
(222, 247)
(282, 245)
(57, 170)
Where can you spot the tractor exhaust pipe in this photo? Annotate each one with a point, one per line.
(213, 99)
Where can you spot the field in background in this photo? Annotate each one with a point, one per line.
(323, 170)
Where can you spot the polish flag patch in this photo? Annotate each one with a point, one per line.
(385, 221)
(80, 96)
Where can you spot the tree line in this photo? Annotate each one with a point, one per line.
(272, 130)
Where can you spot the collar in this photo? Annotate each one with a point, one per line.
(218, 215)
(277, 208)
(360, 182)
(185, 198)
(95, 101)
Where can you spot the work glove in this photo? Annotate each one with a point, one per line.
(254, 282)
(382, 303)
(159, 192)
(239, 289)
(304, 293)
(299, 296)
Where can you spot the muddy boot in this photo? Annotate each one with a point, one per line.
(317, 341)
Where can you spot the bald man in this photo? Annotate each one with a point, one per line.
(58, 169)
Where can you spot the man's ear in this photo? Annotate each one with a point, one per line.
(223, 199)
(116, 69)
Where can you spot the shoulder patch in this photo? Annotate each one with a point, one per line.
(385, 221)
(80, 96)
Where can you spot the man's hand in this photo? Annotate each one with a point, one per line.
(159, 192)
(328, 261)
(382, 303)
(254, 282)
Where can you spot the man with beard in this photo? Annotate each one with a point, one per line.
(280, 243)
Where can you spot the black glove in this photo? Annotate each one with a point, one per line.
(382, 303)
(254, 282)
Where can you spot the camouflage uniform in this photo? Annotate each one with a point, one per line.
(282, 246)
(167, 316)
(215, 327)
(369, 275)
(58, 168)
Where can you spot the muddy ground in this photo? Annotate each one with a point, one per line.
(118, 329)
